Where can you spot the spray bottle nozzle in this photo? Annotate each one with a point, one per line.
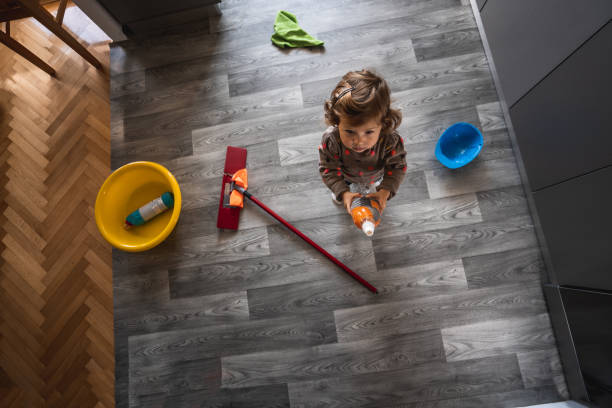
(367, 227)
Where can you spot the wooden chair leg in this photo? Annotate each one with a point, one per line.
(47, 19)
(25, 53)
(59, 17)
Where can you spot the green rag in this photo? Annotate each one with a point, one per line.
(287, 32)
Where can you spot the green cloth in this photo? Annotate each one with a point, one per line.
(287, 32)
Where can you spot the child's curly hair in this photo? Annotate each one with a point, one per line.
(359, 97)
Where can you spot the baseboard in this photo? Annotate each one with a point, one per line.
(565, 344)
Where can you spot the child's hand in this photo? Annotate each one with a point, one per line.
(347, 198)
(381, 196)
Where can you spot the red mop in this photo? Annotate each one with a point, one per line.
(234, 188)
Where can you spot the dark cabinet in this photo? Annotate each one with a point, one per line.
(129, 11)
(552, 59)
(589, 318)
(575, 217)
(139, 17)
(563, 125)
(529, 38)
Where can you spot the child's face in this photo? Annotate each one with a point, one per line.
(359, 138)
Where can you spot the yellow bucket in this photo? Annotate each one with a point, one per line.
(127, 189)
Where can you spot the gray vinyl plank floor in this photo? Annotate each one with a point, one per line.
(256, 317)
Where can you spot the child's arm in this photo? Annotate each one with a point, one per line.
(330, 165)
(395, 164)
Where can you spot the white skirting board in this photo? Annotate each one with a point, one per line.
(564, 404)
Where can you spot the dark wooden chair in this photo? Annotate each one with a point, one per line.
(15, 9)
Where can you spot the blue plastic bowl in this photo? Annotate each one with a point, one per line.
(458, 145)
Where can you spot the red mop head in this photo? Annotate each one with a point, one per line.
(228, 216)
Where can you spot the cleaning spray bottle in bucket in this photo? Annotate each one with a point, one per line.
(150, 210)
(366, 214)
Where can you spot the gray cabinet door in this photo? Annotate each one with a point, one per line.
(576, 218)
(528, 38)
(564, 125)
(588, 315)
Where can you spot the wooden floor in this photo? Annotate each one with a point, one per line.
(256, 318)
(56, 334)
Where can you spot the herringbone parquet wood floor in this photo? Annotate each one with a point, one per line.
(56, 322)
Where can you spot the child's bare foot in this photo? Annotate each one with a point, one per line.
(334, 200)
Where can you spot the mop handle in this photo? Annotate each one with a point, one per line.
(314, 244)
